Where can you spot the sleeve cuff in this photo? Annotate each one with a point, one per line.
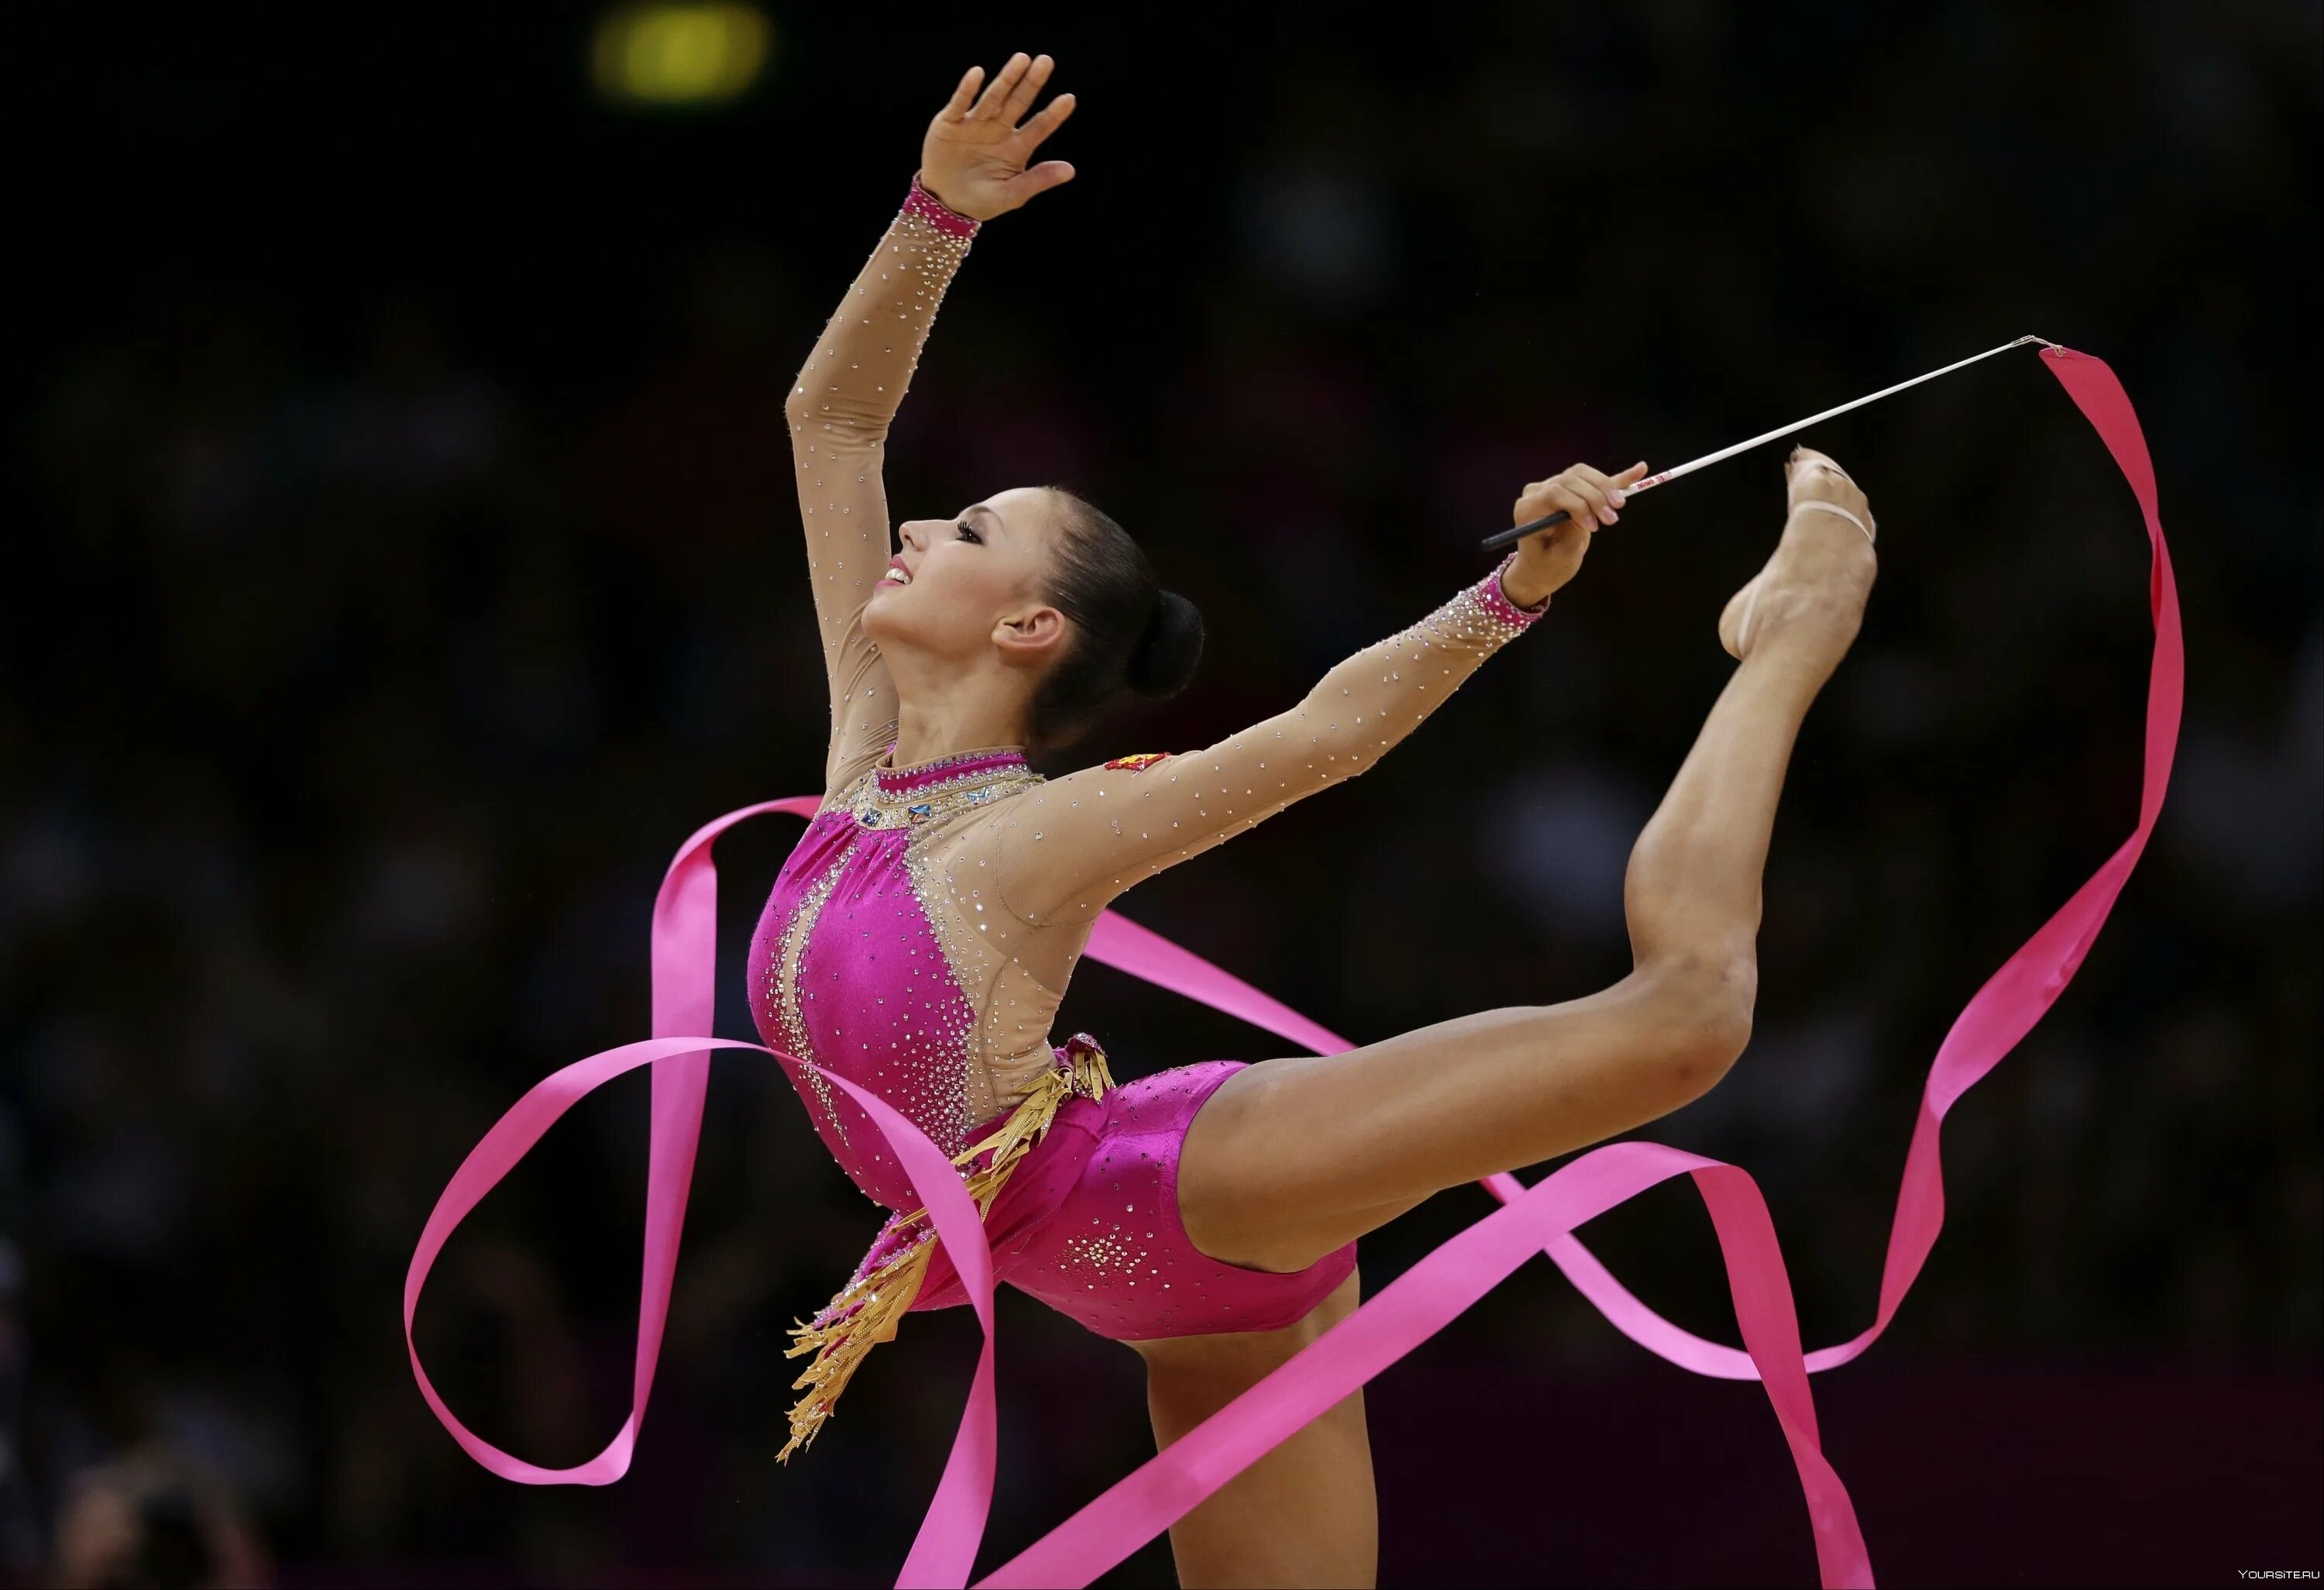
(1497, 601)
(936, 213)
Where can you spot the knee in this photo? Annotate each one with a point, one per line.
(1703, 1007)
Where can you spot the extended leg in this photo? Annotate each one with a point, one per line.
(1293, 1157)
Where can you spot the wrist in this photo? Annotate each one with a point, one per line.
(924, 201)
(1525, 592)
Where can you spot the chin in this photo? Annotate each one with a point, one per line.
(881, 621)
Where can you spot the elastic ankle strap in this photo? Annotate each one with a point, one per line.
(1844, 514)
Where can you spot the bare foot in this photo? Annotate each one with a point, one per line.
(1813, 591)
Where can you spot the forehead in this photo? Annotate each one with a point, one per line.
(1026, 512)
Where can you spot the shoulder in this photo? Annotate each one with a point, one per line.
(1121, 771)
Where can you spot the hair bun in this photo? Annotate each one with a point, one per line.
(1165, 657)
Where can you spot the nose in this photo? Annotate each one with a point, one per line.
(914, 534)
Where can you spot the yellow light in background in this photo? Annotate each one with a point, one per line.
(679, 54)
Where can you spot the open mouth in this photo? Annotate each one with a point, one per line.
(897, 575)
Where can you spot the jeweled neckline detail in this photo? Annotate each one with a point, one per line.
(945, 769)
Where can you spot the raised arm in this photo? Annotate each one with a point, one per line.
(841, 407)
(1084, 839)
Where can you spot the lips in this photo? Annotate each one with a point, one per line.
(897, 574)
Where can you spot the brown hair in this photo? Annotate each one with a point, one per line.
(1132, 636)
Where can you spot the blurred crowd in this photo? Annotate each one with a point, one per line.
(365, 661)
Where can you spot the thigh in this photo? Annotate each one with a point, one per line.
(1291, 1159)
(1307, 1512)
(1113, 1253)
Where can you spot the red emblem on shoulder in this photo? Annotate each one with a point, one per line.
(1139, 763)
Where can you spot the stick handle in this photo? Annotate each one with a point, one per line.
(1494, 543)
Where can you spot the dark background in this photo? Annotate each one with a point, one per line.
(406, 562)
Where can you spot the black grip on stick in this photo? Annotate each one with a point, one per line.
(1495, 543)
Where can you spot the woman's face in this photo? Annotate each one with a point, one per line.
(984, 568)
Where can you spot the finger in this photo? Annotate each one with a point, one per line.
(1049, 174)
(1568, 537)
(1562, 495)
(1600, 483)
(1027, 90)
(1538, 502)
(1053, 116)
(963, 94)
(996, 92)
(1595, 497)
(1616, 487)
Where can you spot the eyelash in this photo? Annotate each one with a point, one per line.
(962, 526)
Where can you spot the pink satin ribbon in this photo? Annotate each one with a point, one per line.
(1418, 1303)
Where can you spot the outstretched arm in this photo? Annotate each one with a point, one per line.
(1084, 839)
(841, 407)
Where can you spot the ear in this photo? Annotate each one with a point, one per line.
(1031, 635)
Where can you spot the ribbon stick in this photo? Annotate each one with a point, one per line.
(1417, 1304)
(1499, 539)
(1666, 477)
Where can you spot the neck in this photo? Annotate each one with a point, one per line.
(925, 732)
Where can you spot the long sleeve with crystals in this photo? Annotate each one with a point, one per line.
(1078, 841)
(840, 410)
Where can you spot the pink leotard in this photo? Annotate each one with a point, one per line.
(921, 935)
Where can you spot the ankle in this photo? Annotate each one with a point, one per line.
(1799, 654)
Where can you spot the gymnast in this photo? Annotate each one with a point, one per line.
(920, 937)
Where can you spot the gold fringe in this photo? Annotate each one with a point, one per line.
(866, 1311)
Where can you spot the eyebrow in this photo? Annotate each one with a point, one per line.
(993, 513)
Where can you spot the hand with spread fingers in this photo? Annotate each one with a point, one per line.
(974, 157)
